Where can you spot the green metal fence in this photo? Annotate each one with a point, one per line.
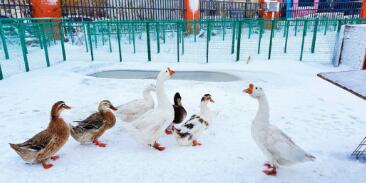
(235, 36)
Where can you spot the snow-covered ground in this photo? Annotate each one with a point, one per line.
(325, 120)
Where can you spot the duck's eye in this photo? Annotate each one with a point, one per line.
(256, 88)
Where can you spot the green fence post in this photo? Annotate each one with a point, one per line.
(250, 29)
(148, 41)
(119, 42)
(314, 35)
(233, 37)
(238, 42)
(208, 39)
(62, 40)
(303, 38)
(182, 36)
(85, 38)
(339, 25)
(129, 33)
(95, 31)
(194, 30)
(45, 45)
(223, 30)
(52, 31)
(261, 26)
(326, 27)
(178, 56)
(158, 36)
(72, 36)
(133, 38)
(90, 41)
(102, 33)
(23, 45)
(287, 29)
(296, 22)
(109, 37)
(23, 38)
(270, 39)
(3, 40)
(39, 37)
(1, 73)
(164, 32)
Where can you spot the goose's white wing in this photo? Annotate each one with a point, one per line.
(132, 110)
(283, 148)
(151, 123)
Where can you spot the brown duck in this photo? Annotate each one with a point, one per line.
(46, 143)
(93, 127)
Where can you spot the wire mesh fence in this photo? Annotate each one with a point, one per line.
(360, 151)
(15, 8)
(86, 10)
(226, 40)
(122, 9)
(229, 9)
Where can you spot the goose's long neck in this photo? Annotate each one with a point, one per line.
(262, 116)
(147, 95)
(161, 96)
(203, 108)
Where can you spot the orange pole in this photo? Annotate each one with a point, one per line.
(267, 15)
(46, 9)
(363, 9)
(192, 13)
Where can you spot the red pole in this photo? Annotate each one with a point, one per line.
(45, 9)
(364, 62)
(363, 9)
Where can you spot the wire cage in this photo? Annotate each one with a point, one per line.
(360, 151)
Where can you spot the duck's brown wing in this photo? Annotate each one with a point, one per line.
(94, 121)
(37, 142)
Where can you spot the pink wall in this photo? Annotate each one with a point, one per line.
(296, 11)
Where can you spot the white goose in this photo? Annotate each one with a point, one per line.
(275, 144)
(152, 124)
(135, 108)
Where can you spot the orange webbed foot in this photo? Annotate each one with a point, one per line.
(158, 147)
(270, 172)
(99, 144)
(196, 143)
(46, 165)
(168, 132)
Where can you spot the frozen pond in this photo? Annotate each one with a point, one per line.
(179, 75)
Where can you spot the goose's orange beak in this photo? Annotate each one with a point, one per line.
(170, 72)
(249, 90)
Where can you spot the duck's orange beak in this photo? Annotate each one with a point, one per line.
(170, 72)
(249, 90)
(211, 100)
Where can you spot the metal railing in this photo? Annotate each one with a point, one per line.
(202, 41)
(15, 8)
(226, 9)
(122, 9)
(88, 10)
